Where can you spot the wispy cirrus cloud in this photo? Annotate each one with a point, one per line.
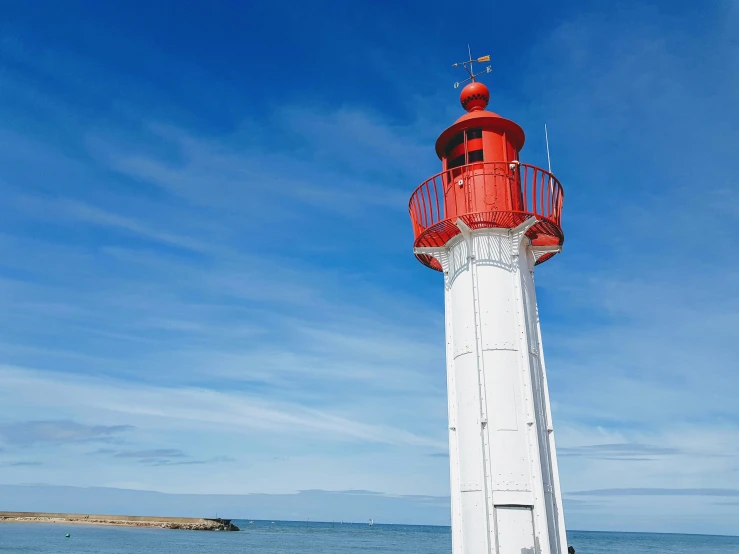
(180, 406)
(657, 492)
(29, 433)
(155, 454)
(162, 457)
(264, 185)
(96, 217)
(620, 451)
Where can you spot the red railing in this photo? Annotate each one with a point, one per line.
(486, 194)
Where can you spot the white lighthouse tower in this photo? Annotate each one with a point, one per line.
(485, 222)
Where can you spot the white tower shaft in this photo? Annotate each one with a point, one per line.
(505, 489)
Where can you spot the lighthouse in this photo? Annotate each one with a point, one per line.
(485, 222)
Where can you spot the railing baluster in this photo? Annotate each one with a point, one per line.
(437, 202)
(434, 202)
(561, 204)
(539, 191)
(429, 207)
(419, 210)
(419, 217)
(425, 205)
(414, 208)
(430, 203)
(451, 194)
(470, 190)
(422, 206)
(542, 189)
(550, 195)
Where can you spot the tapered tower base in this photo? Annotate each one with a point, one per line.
(504, 479)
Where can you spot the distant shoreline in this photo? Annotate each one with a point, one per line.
(188, 523)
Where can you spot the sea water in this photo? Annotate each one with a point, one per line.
(265, 537)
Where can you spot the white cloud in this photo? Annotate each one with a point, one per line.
(181, 407)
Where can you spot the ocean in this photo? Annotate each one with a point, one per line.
(265, 537)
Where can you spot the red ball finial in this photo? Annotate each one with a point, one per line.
(475, 96)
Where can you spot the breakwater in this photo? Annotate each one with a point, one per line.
(191, 523)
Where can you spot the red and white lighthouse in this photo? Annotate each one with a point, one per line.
(485, 222)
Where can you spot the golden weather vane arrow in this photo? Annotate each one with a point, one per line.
(468, 67)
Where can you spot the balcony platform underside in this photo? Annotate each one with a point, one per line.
(543, 233)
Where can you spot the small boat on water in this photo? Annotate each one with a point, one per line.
(371, 522)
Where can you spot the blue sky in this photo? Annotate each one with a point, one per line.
(205, 253)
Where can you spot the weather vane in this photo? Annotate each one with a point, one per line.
(468, 67)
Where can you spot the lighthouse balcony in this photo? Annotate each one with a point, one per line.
(487, 195)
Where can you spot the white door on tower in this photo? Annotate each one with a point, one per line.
(515, 530)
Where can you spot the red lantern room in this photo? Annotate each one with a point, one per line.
(484, 184)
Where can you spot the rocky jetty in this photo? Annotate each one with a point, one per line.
(190, 523)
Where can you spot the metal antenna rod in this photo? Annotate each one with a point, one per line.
(546, 137)
(469, 51)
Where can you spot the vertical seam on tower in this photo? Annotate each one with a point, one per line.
(458, 540)
(472, 258)
(524, 360)
(536, 468)
(540, 412)
(561, 537)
